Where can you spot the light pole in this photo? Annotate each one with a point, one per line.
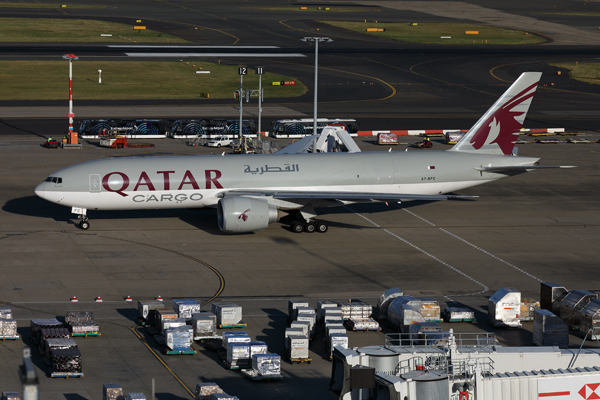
(241, 71)
(72, 136)
(316, 40)
(259, 71)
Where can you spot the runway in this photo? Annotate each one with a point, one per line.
(540, 226)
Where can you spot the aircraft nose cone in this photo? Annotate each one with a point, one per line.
(40, 190)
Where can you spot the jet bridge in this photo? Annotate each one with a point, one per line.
(332, 138)
(471, 366)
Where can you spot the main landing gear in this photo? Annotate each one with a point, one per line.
(309, 226)
(84, 223)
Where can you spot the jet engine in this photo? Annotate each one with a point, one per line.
(245, 214)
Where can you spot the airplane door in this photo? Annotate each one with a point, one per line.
(94, 183)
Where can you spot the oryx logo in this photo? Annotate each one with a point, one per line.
(589, 391)
(502, 127)
(243, 216)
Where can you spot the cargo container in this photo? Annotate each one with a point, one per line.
(572, 304)
(136, 396)
(172, 323)
(304, 325)
(292, 332)
(10, 396)
(430, 309)
(6, 313)
(337, 339)
(297, 346)
(185, 308)
(8, 329)
(238, 355)
(504, 308)
(528, 306)
(362, 324)
(550, 296)
(404, 311)
(235, 337)
(162, 314)
(549, 329)
(458, 314)
(147, 310)
(179, 339)
(311, 319)
(204, 325)
(385, 300)
(590, 319)
(229, 315)
(356, 309)
(66, 363)
(258, 347)
(292, 306)
(266, 364)
(222, 396)
(205, 389)
(333, 314)
(112, 391)
(322, 305)
(38, 324)
(54, 344)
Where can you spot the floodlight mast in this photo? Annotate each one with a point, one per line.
(72, 138)
(316, 40)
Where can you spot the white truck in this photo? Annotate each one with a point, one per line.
(219, 141)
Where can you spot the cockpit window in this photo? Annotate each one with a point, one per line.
(53, 179)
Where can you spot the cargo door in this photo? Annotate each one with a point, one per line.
(95, 183)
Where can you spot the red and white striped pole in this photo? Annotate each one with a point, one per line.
(72, 138)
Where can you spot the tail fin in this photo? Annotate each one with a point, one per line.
(497, 131)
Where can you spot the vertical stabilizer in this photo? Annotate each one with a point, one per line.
(498, 130)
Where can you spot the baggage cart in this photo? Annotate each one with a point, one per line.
(205, 389)
(387, 138)
(66, 363)
(572, 304)
(322, 305)
(204, 325)
(297, 349)
(430, 309)
(362, 324)
(267, 365)
(356, 309)
(112, 391)
(8, 329)
(458, 314)
(528, 306)
(10, 396)
(504, 308)
(229, 315)
(256, 376)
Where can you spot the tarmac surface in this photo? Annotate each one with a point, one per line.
(541, 226)
(520, 231)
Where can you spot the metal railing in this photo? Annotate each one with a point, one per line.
(441, 339)
(455, 369)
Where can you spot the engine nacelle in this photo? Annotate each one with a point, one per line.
(245, 214)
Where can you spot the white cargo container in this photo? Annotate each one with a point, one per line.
(205, 389)
(504, 307)
(337, 339)
(356, 309)
(297, 346)
(204, 325)
(322, 305)
(293, 305)
(310, 318)
(267, 364)
(172, 323)
(549, 330)
(146, 308)
(186, 307)
(238, 353)
(335, 328)
(292, 332)
(304, 325)
(258, 348)
(228, 314)
(235, 337)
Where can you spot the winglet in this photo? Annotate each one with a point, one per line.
(497, 131)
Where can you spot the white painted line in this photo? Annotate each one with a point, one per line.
(204, 72)
(182, 55)
(141, 46)
(472, 245)
(485, 288)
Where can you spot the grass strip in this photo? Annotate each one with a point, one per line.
(132, 80)
(44, 30)
(583, 72)
(444, 33)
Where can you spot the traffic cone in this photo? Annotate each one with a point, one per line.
(98, 299)
(159, 298)
(128, 298)
(74, 299)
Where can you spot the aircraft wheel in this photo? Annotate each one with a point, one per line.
(84, 225)
(309, 227)
(322, 227)
(297, 227)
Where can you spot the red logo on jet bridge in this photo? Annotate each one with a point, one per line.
(244, 218)
(589, 391)
(502, 127)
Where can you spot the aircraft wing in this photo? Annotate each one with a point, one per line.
(342, 196)
(522, 168)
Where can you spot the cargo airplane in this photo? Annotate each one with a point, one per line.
(252, 191)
